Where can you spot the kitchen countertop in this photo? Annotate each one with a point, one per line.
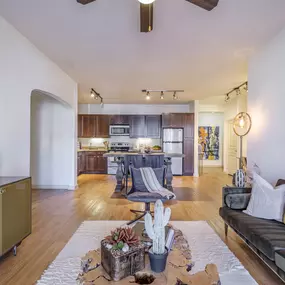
(6, 180)
(95, 149)
(123, 154)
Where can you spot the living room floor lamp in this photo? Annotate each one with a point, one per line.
(242, 126)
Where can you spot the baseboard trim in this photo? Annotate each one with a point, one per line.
(55, 187)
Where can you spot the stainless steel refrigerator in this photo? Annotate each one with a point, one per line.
(173, 143)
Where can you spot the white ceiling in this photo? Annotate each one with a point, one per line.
(99, 45)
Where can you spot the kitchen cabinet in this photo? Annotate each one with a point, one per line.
(189, 125)
(153, 126)
(102, 126)
(15, 212)
(137, 126)
(95, 162)
(80, 162)
(93, 126)
(173, 120)
(120, 120)
(188, 161)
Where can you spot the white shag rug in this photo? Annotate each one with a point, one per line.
(205, 245)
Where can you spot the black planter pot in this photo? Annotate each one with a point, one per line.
(157, 261)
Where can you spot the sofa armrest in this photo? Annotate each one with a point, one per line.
(236, 198)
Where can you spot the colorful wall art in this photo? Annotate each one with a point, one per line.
(209, 139)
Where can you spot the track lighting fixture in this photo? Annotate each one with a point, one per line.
(246, 87)
(162, 93)
(95, 95)
(227, 97)
(237, 91)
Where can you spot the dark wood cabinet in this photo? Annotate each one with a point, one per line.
(189, 156)
(189, 125)
(94, 162)
(137, 126)
(173, 120)
(120, 120)
(102, 126)
(153, 126)
(93, 126)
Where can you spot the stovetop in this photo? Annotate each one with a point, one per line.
(120, 147)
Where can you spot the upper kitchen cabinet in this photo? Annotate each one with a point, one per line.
(137, 126)
(120, 120)
(93, 126)
(102, 126)
(189, 125)
(172, 120)
(153, 126)
(88, 126)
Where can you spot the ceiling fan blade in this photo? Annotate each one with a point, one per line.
(146, 11)
(205, 4)
(84, 2)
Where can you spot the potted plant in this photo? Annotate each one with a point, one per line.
(156, 231)
(122, 253)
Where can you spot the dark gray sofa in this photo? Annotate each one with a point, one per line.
(265, 237)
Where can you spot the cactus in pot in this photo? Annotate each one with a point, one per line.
(156, 231)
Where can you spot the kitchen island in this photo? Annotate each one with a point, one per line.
(153, 159)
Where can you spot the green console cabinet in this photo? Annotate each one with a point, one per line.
(15, 212)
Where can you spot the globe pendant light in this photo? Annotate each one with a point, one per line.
(146, 1)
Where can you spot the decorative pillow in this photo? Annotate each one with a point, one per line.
(266, 202)
(137, 180)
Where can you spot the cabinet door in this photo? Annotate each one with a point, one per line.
(102, 164)
(88, 126)
(119, 120)
(189, 125)
(102, 126)
(166, 120)
(79, 126)
(153, 126)
(177, 120)
(137, 127)
(15, 213)
(82, 163)
(189, 156)
(78, 165)
(91, 162)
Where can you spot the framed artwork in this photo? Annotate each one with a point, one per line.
(209, 139)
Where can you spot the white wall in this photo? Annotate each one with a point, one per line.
(133, 109)
(234, 106)
(24, 68)
(51, 143)
(266, 106)
(213, 119)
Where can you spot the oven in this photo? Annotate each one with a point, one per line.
(119, 130)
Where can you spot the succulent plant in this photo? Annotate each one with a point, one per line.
(122, 236)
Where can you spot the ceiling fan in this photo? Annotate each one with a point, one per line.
(146, 10)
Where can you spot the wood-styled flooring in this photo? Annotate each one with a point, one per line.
(57, 215)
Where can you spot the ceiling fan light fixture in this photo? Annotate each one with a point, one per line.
(146, 1)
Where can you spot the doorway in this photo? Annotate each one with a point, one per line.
(232, 149)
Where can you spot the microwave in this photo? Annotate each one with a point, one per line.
(119, 130)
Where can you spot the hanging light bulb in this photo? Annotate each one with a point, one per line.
(161, 95)
(146, 1)
(175, 96)
(147, 97)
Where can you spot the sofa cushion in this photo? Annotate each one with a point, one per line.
(145, 197)
(268, 236)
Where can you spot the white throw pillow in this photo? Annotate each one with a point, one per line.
(266, 201)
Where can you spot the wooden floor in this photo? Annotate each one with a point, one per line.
(57, 215)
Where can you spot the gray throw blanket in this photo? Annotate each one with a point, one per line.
(152, 185)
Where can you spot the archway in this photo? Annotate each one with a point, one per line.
(52, 142)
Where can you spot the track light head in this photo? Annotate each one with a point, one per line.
(147, 97)
(175, 96)
(161, 95)
(237, 91)
(92, 94)
(246, 87)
